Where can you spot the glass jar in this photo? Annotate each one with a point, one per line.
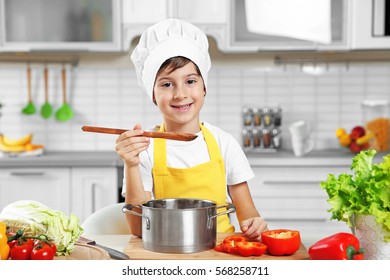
(376, 117)
(256, 138)
(267, 118)
(256, 116)
(246, 138)
(276, 138)
(266, 138)
(247, 116)
(277, 116)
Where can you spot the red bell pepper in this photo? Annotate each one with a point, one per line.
(339, 246)
(281, 242)
(229, 244)
(251, 248)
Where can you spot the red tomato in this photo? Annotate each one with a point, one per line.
(281, 241)
(251, 248)
(21, 251)
(42, 251)
(12, 243)
(358, 257)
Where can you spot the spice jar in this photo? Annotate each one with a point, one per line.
(276, 138)
(256, 138)
(267, 119)
(256, 116)
(266, 138)
(277, 116)
(246, 138)
(247, 116)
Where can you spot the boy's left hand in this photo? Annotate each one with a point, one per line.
(253, 227)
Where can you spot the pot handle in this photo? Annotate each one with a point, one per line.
(128, 209)
(230, 209)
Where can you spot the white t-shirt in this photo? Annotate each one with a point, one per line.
(183, 154)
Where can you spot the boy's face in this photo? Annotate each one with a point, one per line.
(180, 95)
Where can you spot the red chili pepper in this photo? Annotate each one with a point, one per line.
(339, 246)
(281, 242)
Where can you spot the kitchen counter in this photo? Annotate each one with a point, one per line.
(133, 247)
(108, 158)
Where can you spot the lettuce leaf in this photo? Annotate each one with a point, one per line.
(35, 218)
(366, 191)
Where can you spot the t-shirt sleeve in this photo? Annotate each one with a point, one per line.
(237, 166)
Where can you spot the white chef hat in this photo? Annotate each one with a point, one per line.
(166, 39)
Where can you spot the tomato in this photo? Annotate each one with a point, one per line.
(21, 251)
(42, 251)
(281, 241)
(229, 244)
(358, 257)
(251, 248)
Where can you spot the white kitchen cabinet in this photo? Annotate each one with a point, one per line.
(137, 15)
(56, 25)
(50, 186)
(368, 27)
(92, 189)
(239, 39)
(291, 197)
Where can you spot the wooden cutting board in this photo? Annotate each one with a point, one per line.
(136, 251)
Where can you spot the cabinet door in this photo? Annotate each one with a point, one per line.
(39, 25)
(50, 186)
(92, 189)
(239, 38)
(292, 197)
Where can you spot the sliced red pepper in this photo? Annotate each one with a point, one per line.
(251, 248)
(281, 242)
(229, 244)
(219, 247)
(339, 246)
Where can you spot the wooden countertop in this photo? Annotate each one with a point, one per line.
(136, 251)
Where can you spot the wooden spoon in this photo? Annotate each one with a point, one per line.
(165, 135)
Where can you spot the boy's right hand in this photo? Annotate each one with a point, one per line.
(130, 144)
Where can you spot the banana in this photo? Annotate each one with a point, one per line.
(19, 142)
(12, 149)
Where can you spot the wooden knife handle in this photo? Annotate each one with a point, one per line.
(164, 135)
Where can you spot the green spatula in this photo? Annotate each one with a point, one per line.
(46, 109)
(65, 112)
(29, 109)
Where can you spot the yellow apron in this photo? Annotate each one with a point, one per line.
(203, 181)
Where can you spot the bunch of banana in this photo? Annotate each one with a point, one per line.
(19, 145)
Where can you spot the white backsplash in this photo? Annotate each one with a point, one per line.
(111, 97)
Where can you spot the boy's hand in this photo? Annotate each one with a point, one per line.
(253, 227)
(130, 144)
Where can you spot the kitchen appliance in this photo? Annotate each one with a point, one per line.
(261, 128)
(178, 225)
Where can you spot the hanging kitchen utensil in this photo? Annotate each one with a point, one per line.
(29, 109)
(46, 109)
(65, 112)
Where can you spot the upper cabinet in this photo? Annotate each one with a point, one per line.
(57, 25)
(210, 16)
(240, 38)
(371, 24)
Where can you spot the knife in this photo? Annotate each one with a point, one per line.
(114, 254)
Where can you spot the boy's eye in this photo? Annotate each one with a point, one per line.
(191, 82)
(167, 84)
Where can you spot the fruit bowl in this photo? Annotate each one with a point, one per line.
(357, 140)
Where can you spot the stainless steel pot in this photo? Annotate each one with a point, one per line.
(178, 225)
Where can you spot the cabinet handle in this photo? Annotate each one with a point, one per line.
(291, 182)
(27, 173)
(93, 194)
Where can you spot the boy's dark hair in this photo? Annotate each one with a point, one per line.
(174, 63)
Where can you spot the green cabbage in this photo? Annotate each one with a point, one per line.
(35, 218)
(365, 192)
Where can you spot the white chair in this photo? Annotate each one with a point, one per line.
(106, 221)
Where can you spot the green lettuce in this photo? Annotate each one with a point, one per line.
(35, 218)
(366, 191)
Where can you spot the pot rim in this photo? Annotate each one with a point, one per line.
(213, 204)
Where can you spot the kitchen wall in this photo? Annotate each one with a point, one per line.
(109, 96)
